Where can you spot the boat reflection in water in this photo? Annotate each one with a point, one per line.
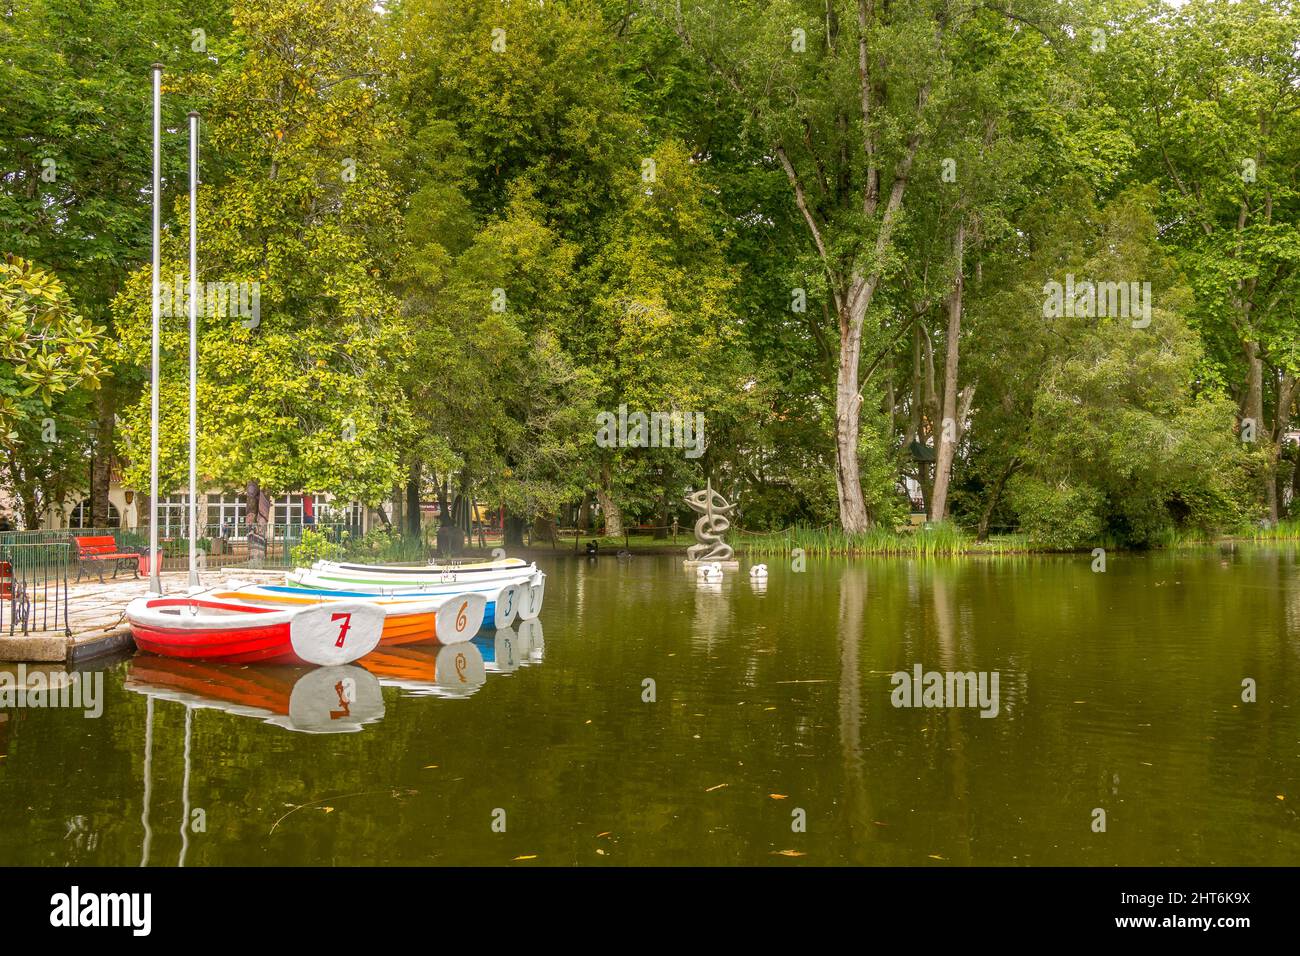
(319, 700)
(510, 648)
(428, 670)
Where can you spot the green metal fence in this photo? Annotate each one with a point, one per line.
(218, 546)
(36, 567)
(33, 583)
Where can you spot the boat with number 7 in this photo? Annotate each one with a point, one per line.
(204, 628)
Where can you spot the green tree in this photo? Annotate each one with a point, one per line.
(297, 204)
(1211, 91)
(1102, 414)
(74, 94)
(50, 368)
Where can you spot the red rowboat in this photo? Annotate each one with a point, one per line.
(200, 628)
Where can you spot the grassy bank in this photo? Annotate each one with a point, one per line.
(942, 540)
(933, 541)
(945, 540)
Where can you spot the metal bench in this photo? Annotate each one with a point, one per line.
(94, 552)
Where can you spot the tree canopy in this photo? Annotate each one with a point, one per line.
(1033, 266)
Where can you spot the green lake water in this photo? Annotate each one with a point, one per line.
(772, 738)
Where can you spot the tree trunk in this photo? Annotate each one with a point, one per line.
(397, 497)
(544, 528)
(609, 508)
(444, 504)
(31, 513)
(916, 420)
(1286, 392)
(514, 531)
(848, 406)
(1252, 410)
(949, 428)
(101, 468)
(994, 498)
(584, 513)
(257, 511)
(1294, 511)
(661, 531)
(413, 516)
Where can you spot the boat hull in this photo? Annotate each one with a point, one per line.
(232, 632)
(360, 577)
(414, 619)
(505, 564)
(506, 600)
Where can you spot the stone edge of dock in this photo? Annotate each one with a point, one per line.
(62, 649)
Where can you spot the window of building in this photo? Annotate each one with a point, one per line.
(81, 516)
(173, 515)
(289, 510)
(226, 515)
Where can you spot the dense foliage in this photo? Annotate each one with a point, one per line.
(1034, 265)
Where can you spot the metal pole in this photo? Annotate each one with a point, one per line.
(194, 347)
(155, 582)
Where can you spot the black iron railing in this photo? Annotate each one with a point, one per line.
(33, 583)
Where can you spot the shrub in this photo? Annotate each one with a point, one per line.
(314, 547)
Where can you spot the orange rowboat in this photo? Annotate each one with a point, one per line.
(447, 619)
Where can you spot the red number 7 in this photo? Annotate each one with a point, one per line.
(343, 630)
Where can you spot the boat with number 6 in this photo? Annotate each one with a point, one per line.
(450, 619)
(201, 627)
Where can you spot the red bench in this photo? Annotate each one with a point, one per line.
(95, 551)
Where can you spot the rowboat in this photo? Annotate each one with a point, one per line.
(531, 584)
(421, 671)
(199, 627)
(406, 576)
(407, 620)
(502, 604)
(322, 700)
(498, 564)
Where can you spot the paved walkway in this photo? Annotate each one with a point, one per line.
(97, 615)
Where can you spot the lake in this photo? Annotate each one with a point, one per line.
(654, 719)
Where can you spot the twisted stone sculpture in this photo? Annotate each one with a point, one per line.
(713, 522)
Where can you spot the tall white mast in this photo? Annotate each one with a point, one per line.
(155, 582)
(194, 347)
